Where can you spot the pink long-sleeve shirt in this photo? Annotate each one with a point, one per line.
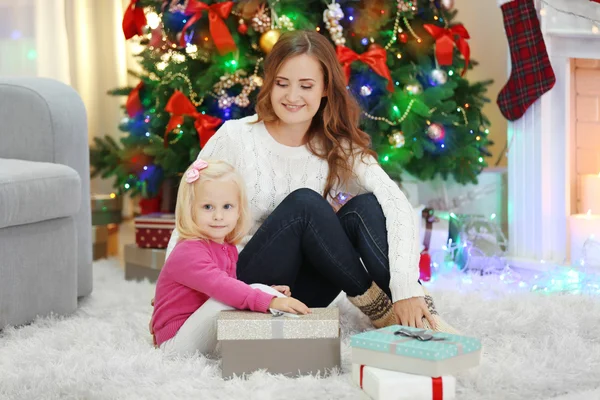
(195, 271)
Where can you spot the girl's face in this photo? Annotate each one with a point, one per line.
(217, 209)
(297, 90)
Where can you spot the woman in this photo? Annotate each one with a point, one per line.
(299, 154)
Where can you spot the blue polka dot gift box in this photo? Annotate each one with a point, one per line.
(415, 351)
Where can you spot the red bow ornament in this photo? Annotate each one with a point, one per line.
(445, 40)
(180, 106)
(134, 103)
(374, 58)
(134, 20)
(217, 27)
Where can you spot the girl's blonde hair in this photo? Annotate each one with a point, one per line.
(188, 194)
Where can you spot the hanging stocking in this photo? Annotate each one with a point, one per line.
(532, 73)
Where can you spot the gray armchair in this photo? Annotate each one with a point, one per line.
(45, 220)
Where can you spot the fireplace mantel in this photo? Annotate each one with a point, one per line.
(541, 187)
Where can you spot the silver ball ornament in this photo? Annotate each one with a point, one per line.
(439, 76)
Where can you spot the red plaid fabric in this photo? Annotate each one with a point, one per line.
(532, 74)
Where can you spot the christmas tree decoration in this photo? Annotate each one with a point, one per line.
(219, 32)
(439, 76)
(261, 22)
(191, 49)
(374, 58)
(134, 20)
(227, 81)
(180, 106)
(448, 4)
(436, 132)
(196, 60)
(445, 39)
(285, 23)
(331, 17)
(397, 139)
(134, 104)
(366, 90)
(532, 74)
(242, 27)
(268, 39)
(414, 88)
(405, 6)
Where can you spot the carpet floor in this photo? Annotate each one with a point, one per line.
(536, 346)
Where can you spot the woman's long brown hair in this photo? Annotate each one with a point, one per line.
(333, 134)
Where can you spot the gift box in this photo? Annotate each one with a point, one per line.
(433, 235)
(304, 344)
(398, 348)
(433, 228)
(142, 263)
(381, 384)
(154, 230)
(113, 240)
(106, 209)
(99, 242)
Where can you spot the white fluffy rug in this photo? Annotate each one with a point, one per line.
(536, 347)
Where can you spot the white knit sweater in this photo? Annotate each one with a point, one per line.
(272, 170)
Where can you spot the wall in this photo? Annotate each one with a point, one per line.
(587, 114)
(489, 47)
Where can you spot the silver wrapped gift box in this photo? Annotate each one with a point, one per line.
(302, 345)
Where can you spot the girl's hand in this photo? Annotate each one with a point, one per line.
(283, 289)
(290, 305)
(410, 312)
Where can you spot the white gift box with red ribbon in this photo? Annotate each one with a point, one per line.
(382, 384)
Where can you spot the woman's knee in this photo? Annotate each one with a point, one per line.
(366, 200)
(308, 199)
(304, 196)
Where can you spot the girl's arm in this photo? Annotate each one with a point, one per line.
(194, 267)
(403, 234)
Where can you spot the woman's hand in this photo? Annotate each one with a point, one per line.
(283, 289)
(289, 305)
(410, 312)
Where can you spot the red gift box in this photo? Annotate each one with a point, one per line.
(154, 230)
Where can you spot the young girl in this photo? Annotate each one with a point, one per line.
(199, 278)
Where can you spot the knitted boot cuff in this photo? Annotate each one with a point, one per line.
(376, 305)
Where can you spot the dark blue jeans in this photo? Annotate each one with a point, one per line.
(304, 244)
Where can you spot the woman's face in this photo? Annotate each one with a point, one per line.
(297, 90)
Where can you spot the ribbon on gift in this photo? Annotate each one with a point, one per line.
(218, 29)
(374, 58)
(134, 20)
(437, 385)
(180, 106)
(408, 336)
(445, 39)
(134, 103)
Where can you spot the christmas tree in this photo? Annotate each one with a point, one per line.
(406, 64)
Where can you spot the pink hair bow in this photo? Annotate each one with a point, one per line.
(193, 173)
